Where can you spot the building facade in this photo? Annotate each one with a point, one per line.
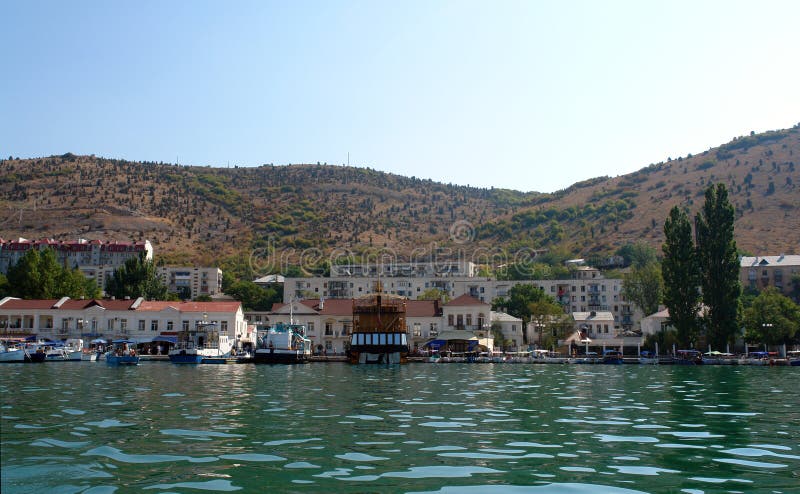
(89, 256)
(760, 272)
(190, 283)
(587, 290)
(137, 319)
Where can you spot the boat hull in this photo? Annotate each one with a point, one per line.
(185, 358)
(122, 359)
(378, 358)
(277, 357)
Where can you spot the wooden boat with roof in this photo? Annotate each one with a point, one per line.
(379, 330)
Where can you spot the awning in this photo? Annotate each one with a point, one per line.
(165, 339)
(98, 341)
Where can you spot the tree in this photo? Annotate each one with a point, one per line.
(38, 275)
(136, 278)
(643, 286)
(638, 254)
(434, 294)
(545, 314)
(772, 319)
(719, 266)
(681, 276)
(518, 302)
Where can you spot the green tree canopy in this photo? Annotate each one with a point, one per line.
(38, 275)
(681, 276)
(772, 318)
(643, 286)
(518, 302)
(638, 254)
(136, 278)
(719, 266)
(434, 294)
(253, 296)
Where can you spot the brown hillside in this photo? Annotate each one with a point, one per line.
(305, 212)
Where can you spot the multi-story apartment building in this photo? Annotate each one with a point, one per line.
(137, 319)
(90, 256)
(587, 290)
(406, 269)
(191, 282)
(760, 272)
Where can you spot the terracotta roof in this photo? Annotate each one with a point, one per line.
(20, 304)
(423, 308)
(464, 300)
(155, 306)
(106, 304)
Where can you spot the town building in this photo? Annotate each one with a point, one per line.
(587, 290)
(759, 272)
(191, 282)
(329, 322)
(93, 257)
(137, 319)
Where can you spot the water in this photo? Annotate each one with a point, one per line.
(85, 427)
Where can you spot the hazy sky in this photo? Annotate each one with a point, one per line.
(529, 95)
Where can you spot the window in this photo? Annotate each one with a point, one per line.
(110, 325)
(65, 324)
(311, 327)
(328, 328)
(417, 329)
(583, 288)
(185, 325)
(469, 319)
(154, 325)
(141, 324)
(513, 328)
(449, 319)
(223, 326)
(123, 325)
(459, 320)
(605, 328)
(170, 326)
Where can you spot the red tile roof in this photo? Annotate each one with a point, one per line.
(155, 306)
(19, 304)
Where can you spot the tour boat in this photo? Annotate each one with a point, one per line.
(379, 330)
(122, 352)
(283, 344)
(202, 344)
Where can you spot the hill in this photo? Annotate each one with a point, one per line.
(272, 216)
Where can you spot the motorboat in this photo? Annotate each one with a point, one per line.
(122, 352)
(205, 343)
(283, 344)
(793, 358)
(15, 351)
(612, 357)
(688, 357)
(647, 357)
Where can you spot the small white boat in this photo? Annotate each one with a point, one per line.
(793, 358)
(283, 344)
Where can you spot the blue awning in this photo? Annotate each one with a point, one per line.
(435, 344)
(165, 339)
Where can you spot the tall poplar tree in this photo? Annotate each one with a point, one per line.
(681, 276)
(138, 277)
(719, 266)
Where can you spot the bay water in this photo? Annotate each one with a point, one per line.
(86, 427)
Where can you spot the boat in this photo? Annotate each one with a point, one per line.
(587, 358)
(14, 350)
(69, 351)
(756, 358)
(122, 352)
(379, 330)
(688, 357)
(612, 357)
(793, 358)
(283, 344)
(203, 344)
(648, 358)
(718, 358)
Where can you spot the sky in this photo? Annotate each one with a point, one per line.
(526, 95)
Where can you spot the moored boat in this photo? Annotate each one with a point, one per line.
(123, 352)
(647, 357)
(379, 330)
(283, 344)
(612, 357)
(587, 358)
(15, 351)
(688, 357)
(793, 358)
(203, 343)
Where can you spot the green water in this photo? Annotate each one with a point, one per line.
(454, 428)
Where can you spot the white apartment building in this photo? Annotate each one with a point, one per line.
(191, 282)
(587, 290)
(137, 319)
(393, 268)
